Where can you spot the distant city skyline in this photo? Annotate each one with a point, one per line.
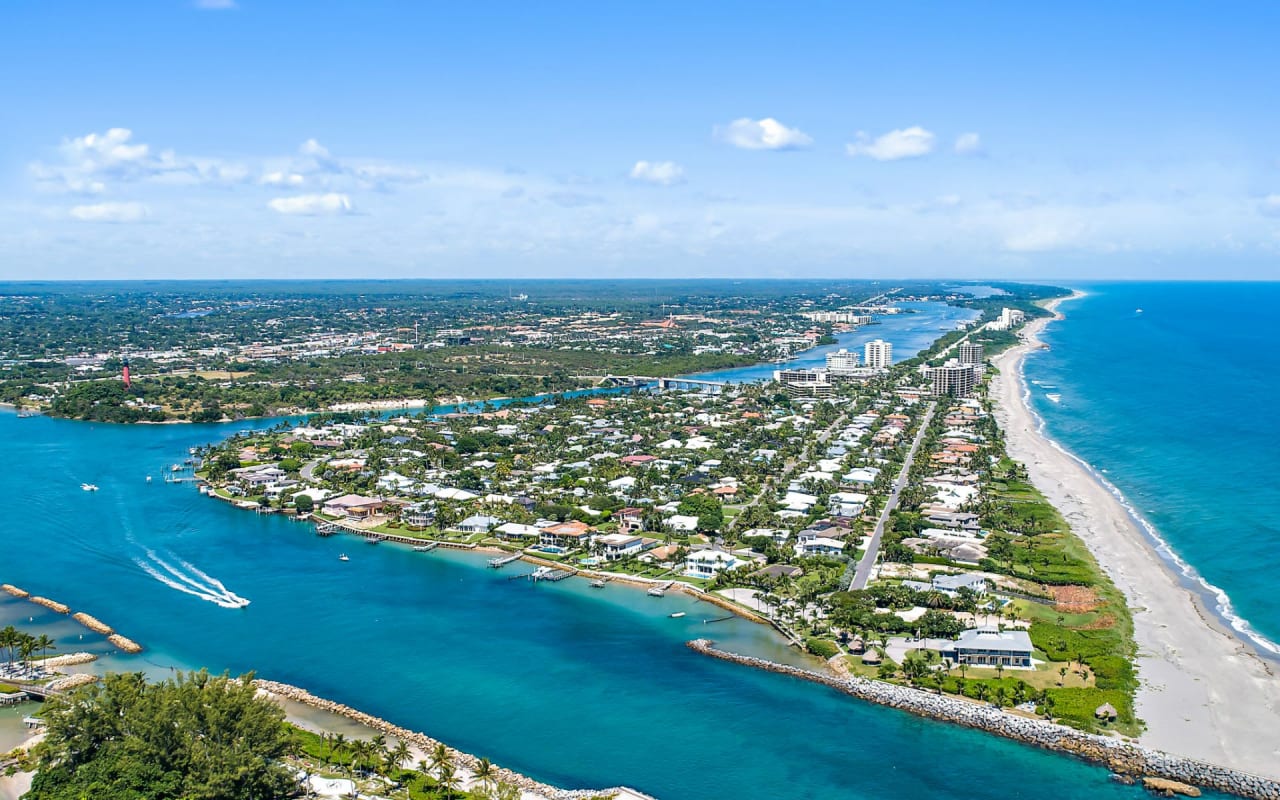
(247, 139)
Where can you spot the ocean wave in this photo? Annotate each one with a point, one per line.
(193, 582)
(1217, 597)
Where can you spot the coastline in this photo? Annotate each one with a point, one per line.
(1205, 692)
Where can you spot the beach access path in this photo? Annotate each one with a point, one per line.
(1204, 692)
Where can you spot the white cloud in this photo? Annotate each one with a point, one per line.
(314, 149)
(763, 134)
(216, 5)
(968, 144)
(905, 143)
(109, 212)
(312, 204)
(1270, 205)
(282, 179)
(90, 163)
(660, 172)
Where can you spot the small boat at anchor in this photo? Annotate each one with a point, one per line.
(597, 584)
(657, 591)
(88, 487)
(343, 557)
(676, 614)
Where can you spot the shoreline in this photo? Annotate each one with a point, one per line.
(1205, 692)
(1132, 762)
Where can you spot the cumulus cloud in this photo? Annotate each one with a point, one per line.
(1270, 205)
(664, 173)
(109, 212)
(910, 142)
(762, 134)
(968, 144)
(90, 163)
(311, 205)
(282, 179)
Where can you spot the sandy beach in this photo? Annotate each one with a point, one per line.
(1204, 692)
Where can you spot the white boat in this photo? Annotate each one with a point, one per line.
(656, 591)
(148, 479)
(176, 468)
(1138, 311)
(677, 615)
(88, 487)
(597, 584)
(343, 557)
(1054, 396)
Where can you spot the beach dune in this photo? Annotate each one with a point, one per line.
(1204, 692)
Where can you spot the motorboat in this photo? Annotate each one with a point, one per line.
(597, 584)
(88, 487)
(676, 614)
(657, 591)
(343, 557)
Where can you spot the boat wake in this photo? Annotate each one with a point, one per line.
(189, 579)
(1216, 597)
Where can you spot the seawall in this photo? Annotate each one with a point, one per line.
(1126, 759)
(427, 744)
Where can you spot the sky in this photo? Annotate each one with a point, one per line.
(273, 139)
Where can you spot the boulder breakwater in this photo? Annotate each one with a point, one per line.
(92, 623)
(426, 744)
(1127, 760)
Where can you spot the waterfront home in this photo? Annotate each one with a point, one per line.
(709, 563)
(988, 646)
(353, 506)
(478, 523)
(956, 520)
(516, 531)
(630, 520)
(663, 555)
(418, 516)
(615, 546)
(951, 584)
(567, 535)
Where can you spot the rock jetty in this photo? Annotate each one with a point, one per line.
(127, 645)
(71, 681)
(69, 660)
(1121, 757)
(14, 590)
(93, 623)
(426, 744)
(52, 605)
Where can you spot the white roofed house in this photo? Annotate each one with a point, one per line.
(478, 523)
(681, 522)
(989, 646)
(421, 515)
(615, 546)
(709, 563)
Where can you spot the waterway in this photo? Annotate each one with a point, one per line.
(573, 686)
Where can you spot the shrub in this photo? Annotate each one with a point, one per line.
(821, 647)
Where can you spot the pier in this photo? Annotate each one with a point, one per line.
(502, 561)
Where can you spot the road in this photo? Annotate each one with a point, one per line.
(863, 573)
(773, 481)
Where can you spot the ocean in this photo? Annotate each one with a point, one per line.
(1169, 391)
(574, 686)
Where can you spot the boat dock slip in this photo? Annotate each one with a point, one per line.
(549, 574)
(425, 548)
(12, 698)
(502, 561)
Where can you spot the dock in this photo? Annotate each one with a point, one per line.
(549, 574)
(502, 561)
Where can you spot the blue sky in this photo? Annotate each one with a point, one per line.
(277, 139)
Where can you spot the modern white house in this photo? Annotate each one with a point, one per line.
(709, 563)
(615, 546)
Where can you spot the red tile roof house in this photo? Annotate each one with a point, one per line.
(567, 534)
(632, 461)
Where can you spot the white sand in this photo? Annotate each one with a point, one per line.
(1205, 693)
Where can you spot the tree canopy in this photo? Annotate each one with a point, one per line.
(195, 737)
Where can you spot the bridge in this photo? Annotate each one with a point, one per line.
(711, 387)
(42, 692)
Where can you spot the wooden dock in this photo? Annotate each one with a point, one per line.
(502, 561)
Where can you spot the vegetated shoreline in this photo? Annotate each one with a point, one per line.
(1205, 691)
(1125, 759)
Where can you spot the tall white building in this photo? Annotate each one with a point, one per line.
(842, 362)
(878, 354)
(1009, 318)
(969, 353)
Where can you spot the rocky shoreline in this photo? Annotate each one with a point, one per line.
(427, 744)
(1128, 761)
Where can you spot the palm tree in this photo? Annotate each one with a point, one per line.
(8, 641)
(397, 756)
(485, 773)
(1001, 694)
(44, 644)
(339, 747)
(982, 691)
(440, 758)
(1062, 675)
(448, 780)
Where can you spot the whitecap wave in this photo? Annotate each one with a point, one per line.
(193, 581)
(1219, 600)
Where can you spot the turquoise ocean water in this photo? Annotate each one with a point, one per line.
(570, 685)
(1174, 406)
